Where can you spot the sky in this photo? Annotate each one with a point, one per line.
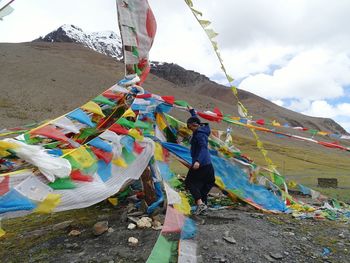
(294, 53)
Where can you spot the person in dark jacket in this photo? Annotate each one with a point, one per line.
(200, 178)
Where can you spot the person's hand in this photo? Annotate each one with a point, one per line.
(195, 166)
(189, 107)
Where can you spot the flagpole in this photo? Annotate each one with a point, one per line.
(2, 8)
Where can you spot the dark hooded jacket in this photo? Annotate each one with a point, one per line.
(199, 144)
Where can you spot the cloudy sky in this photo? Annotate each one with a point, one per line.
(292, 52)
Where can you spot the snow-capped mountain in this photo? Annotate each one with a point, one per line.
(105, 42)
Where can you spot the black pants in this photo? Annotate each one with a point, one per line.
(200, 181)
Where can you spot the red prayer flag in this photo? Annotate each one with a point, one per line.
(78, 176)
(110, 95)
(260, 122)
(168, 99)
(102, 155)
(50, 131)
(209, 117)
(144, 96)
(218, 112)
(117, 128)
(138, 148)
(4, 185)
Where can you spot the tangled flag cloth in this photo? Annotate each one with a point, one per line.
(138, 28)
(235, 180)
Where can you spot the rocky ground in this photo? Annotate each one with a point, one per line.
(248, 236)
(239, 234)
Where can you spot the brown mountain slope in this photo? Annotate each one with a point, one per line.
(44, 80)
(258, 107)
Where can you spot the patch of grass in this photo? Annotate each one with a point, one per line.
(275, 220)
(340, 194)
(4, 103)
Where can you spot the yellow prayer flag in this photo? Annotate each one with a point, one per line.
(184, 207)
(292, 184)
(135, 134)
(120, 162)
(219, 183)
(275, 123)
(113, 201)
(234, 90)
(129, 113)
(211, 33)
(82, 157)
(7, 145)
(158, 152)
(189, 3)
(196, 12)
(160, 122)
(229, 78)
(93, 107)
(2, 232)
(215, 45)
(204, 23)
(4, 146)
(322, 133)
(49, 204)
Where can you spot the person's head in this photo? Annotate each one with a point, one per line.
(193, 123)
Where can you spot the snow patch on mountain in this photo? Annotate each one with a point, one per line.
(105, 42)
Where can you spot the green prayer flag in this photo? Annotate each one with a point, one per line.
(31, 140)
(163, 251)
(143, 125)
(62, 183)
(126, 123)
(128, 157)
(87, 132)
(181, 103)
(51, 145)
(313, 132)
(103, 100)
(75, 165)
(278, 180)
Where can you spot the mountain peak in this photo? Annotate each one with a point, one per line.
(105, 42)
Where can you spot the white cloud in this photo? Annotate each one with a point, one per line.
(314, 74)
(321, 108)
(278, 102)
(299, 105)
(344, 109)
(339, 112)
